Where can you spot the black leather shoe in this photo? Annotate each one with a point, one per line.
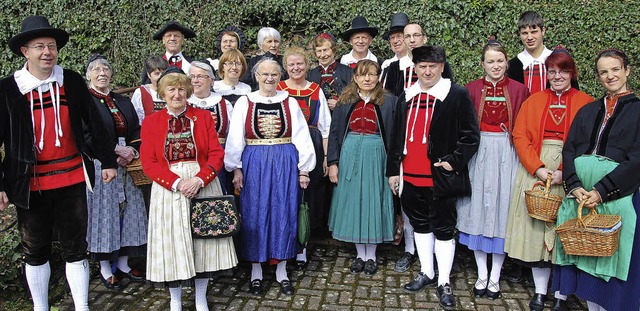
(370, 267)
(404, 263)
(133, 275)
(479, 292)
(447, 300)
(286, 287)
(419, 283)
(493, 290)
(537, 302)
(256, 287)
(515, 275)
(301, 265)
(559, 305)
(111, 282)
(357, 266)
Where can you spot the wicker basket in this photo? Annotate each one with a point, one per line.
(541, 204)
(135, 170)
(583, 236)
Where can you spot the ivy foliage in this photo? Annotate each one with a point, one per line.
(122, 30)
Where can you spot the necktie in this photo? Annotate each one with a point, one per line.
(174, 59)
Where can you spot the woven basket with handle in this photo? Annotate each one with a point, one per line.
(135, 170)
(591, 235)
(541, 204)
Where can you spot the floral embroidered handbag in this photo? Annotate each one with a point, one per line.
(214, 217)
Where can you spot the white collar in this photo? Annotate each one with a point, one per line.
(27, 82)
(440, 90)
(205, 103)
(527, 59)
(405, 62)
(349, 59)
(224, 89)
(168, 55)
(388, 62)
(257, 98)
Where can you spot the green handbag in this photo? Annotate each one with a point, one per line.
(303, 222)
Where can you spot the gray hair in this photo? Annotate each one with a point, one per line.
(254, 71)
(206, 67)
(266, 32)
(99, 61)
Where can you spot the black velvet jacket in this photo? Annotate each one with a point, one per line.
(16, 132)
(619, 141)
(454, 133)
(395, 79)
(340, 126)
(130, 117)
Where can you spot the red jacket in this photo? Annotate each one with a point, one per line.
(154, 131)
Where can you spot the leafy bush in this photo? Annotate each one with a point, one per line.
(10, 258)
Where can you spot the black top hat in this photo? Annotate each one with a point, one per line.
(398, 21)
(241, 36)
(36, 27)
(359, 24)
(173, 25)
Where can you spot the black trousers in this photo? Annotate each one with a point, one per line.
(57, 214)
(428, 215)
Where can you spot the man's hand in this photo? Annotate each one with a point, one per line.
(109, 174)
(4, 200)
(394, 183)
(445, 165)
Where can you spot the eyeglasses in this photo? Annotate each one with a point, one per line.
(415, 35)
(267, 75)
(553, 73)
(198, 77)
(99, 69)
(232, 64)
(40, 47)
(367, 75)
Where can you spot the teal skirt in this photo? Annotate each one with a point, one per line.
(362, 204)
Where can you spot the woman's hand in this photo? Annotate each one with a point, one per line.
(445, 165)
(325, 169)
(109, 174)
(394, 184)
(542, 173)
(332, 103)
(237, 179)
(125, 155)
(333, 173)
(304, 179)
(190, 187)
(556, 177)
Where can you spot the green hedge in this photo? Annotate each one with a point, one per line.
(122, 30)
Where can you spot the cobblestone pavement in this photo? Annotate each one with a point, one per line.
(326, 284)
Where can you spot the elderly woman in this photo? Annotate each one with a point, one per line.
(270, 152)
(315, 110)
(181, 154)
(540, 130)
(228, 39)
(482, 217)
(201, 75)
(269, 41)
(145, 99)
(601, 166)
(232, 67)
(332, 76)
(116, 229)
(362, 203)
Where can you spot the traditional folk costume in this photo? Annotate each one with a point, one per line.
(269, 140)
(362, 204)
(176, 60)
(231, 93)
(350, 61)
(332, 79)
(529, 71)
(401, 75)
(600, 153)
(146, 101)
(188, 148)
(117, 224)
(250, 79)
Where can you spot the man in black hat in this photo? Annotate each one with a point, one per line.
(360, 36)
(43, 112)
(395, 36)
(172, 35)
(436, 134)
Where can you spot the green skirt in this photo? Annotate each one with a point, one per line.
(591, 169)
(362, 204)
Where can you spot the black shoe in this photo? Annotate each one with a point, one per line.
(256, 287)
(404, 263)
(357, 266)
(286, 287)
(419, 283)
(370, 267)
(111, 282)
(515, 275)
(301, 265)
(559, 305)
(479, 292)
(447, 300)
(133, 275)
(491, 294)
(537, 302)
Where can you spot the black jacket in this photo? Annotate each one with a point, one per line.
(130, 117)
(16, 132)
(250, 79)
(620, 142)
(340, 126)
(341, 78)
(394, 79)
(454, 133)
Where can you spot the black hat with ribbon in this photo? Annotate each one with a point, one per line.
(173, 25)
(359, 24)
(37, 27)
(171, 69)
(398, 21)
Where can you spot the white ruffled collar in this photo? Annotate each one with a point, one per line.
(205, 103)
(440, 90)
(405, 62)
(27, 82)
(224, 89)
(527, 59)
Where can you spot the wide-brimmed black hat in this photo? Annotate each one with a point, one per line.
(173, 25)
(398, 21)
(241, 36)
(359, 24)
(36, 27)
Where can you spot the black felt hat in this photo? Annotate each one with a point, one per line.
(36, 27)
(398, 21)
(241, 36)
(171, 69)
(359, 24)
(429, 53)
(173, 25)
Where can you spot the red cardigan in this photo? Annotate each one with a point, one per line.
(209, 153)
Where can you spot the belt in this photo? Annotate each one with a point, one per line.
(269, 141)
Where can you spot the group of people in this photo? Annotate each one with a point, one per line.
(392, 148)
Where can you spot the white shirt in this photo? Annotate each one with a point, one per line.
(136, 100)
(185, 65)
(349, 59)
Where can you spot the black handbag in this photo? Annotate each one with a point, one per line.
(214, 217)
(450, 184)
